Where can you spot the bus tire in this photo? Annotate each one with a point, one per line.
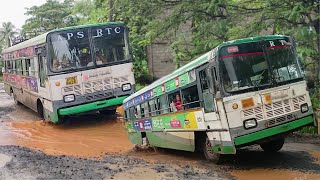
(40, 109)
(208, 152)
(273, 145)
(108, 112)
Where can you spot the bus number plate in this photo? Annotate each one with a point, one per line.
(71, 80)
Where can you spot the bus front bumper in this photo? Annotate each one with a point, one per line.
(249, 138)
(91, 106)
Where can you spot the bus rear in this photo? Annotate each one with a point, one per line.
(265, 95)
(89, 69)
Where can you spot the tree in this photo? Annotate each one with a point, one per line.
(51, 15)
(7, 32)
(299, 18)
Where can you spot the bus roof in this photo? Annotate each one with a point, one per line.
(42, 38)
(191, 65)
(252, 39)
(197, 62)
(31, 42)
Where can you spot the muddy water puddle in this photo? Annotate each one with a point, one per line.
(267, 174)
(90, 139)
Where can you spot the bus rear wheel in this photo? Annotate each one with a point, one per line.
(273, 145)
(208, 152)
(15, 98)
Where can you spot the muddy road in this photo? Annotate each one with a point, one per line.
(96, 147)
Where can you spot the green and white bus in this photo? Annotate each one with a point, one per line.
(71, 71)
(243, 92)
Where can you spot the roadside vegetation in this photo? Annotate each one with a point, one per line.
(189, 28)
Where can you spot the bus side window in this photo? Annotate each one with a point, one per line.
(157, 106)
(138, 111)
(163, 104)
(27, 67)
(146, 109)
(190, 97)
(142, 110)
(152, 107)
(133, 113)
(13, 67)
(175, 102)
(32, 68)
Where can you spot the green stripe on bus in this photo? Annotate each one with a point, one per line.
(273, 131)
(91, 106)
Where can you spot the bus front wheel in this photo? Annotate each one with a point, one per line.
(273, 145)
(40, 109)
(208, 152)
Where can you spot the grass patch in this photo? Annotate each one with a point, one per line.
(139, 86)
(1, 78)
(309, 130)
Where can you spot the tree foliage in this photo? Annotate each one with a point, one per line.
(191, 27)
(7, 33)
(51, 15)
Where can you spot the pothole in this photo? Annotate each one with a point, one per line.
(4, 159)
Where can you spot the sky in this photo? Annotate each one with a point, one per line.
(13, 11)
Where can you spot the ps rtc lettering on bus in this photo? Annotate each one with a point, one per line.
(99, 33)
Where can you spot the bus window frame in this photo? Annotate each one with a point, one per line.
(51, 72)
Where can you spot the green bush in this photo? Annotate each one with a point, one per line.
(309, 130)
(315, 99)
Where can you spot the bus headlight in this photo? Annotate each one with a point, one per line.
(126, 87)
(250, 123)
(69, 98)
(304, 108)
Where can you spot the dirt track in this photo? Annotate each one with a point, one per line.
(85, 148)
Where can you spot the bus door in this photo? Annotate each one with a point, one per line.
(42, 73)
(206, 94)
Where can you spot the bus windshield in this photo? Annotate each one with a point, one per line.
(247, 66)
(87, 47)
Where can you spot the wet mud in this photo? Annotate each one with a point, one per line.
(97, 147)
(81, 139)
(31, 164)
(274, 174)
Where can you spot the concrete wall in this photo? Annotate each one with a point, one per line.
(160, 59)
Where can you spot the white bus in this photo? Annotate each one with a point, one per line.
(71, 70)
(243, 92)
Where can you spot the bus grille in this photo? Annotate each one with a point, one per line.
(76, 90)
(104, 84)
(280, 120)
(275, 111)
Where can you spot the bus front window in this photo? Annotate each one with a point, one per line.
(243, 67)
(250, 65)
(69, 50)
(110, 44)
(283, 61)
